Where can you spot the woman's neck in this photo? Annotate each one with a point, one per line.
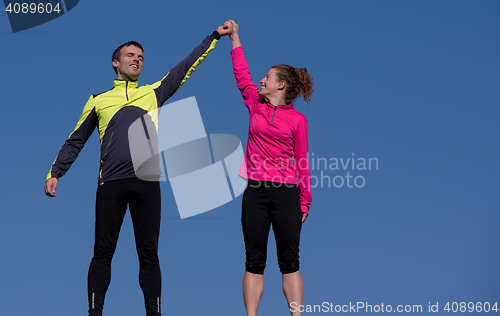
(276, 100)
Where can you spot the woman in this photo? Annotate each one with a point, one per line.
(279, 190)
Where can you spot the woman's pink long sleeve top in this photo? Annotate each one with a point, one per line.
(277, 146)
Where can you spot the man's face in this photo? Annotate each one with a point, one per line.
(129, 65)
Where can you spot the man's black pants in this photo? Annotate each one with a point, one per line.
(144, 201)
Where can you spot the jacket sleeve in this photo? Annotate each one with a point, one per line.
(249, 91)
(77, 139)
(301, 157)
(166, 87)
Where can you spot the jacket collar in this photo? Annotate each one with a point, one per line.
(288, 106)
(130, 84)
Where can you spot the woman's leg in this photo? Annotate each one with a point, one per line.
(256, 224)
(286, 217)
(253, 288)
(293, 288)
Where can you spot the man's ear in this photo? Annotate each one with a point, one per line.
(115, 63)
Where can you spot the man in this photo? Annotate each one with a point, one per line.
(112, 112)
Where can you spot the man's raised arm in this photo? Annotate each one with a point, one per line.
(165, 88)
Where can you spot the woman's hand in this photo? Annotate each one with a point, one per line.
(234, 36)
(234, 27)
(304, 216)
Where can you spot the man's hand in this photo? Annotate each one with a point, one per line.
(50, 187)
(304, 216)
(225, 29)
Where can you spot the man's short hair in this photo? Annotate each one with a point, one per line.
(116, 53)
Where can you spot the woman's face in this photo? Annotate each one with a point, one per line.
(270, 84)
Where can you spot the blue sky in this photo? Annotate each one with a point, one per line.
(414, 84)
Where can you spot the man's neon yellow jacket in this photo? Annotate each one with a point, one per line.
(113, 111)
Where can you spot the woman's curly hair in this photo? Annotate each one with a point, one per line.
(299, 82)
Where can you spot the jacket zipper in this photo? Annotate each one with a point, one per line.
(275, 107)
(126, 89)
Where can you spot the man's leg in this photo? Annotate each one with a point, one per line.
(145, 209)
(110, 210)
